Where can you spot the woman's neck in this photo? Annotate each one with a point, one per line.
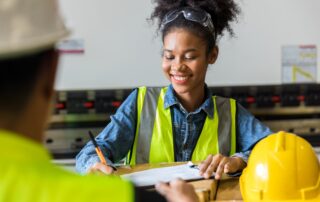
(192, 100)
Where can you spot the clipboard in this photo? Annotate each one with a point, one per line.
(148, 178)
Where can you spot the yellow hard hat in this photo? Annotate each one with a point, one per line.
(281, 167)
(29, 26)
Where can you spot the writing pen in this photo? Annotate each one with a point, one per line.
(98, 150)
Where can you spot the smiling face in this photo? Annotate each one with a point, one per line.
(185, 61)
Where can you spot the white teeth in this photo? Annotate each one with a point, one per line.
(180, 78)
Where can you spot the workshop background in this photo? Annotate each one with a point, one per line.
(270, 67)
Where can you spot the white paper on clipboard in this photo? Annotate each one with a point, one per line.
(149, 178)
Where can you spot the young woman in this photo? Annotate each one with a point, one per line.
(183, 121)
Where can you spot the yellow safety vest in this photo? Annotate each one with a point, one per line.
(26, 174)
(153, 142)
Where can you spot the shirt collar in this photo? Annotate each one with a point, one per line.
(170, 99)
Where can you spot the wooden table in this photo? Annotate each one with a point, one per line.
(226, 189)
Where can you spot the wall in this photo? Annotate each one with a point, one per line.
(122, 51)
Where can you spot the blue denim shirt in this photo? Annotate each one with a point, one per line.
(117, 137)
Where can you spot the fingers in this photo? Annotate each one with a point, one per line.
(177, 191)
(205, 164)
(220, 164)
(184, 191)
(100, 167)
(163, 188)
(228, 168)
(210, 165)
(221, 167)
(179, 184)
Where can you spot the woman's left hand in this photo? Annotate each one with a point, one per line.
(220, 164)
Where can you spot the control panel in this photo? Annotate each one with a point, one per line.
(293, 108)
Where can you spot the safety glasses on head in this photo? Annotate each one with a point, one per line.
(196, 15)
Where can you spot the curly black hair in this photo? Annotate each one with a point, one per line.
(222, 13)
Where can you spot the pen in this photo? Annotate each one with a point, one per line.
(194, 166)
(98, 150)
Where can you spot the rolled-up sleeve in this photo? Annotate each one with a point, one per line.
(249, 131)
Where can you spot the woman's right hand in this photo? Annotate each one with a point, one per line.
(100, 168)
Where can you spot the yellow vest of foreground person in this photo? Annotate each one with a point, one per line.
(154, 139)
(26, 174)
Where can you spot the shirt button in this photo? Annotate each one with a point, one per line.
(189, 119)
(185, 146)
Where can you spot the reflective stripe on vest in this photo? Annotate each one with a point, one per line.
(153, 141)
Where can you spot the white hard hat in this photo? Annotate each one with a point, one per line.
(29, 26)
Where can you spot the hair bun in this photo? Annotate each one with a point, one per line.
(222, 12)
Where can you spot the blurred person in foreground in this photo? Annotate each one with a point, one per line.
(28, 64)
